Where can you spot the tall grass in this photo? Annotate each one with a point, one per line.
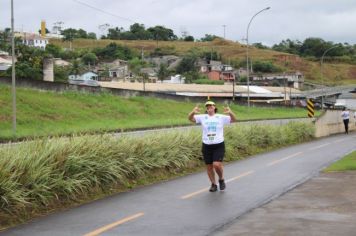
(39, 175)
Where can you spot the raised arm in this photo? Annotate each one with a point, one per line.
(228, 111)
(196, 110)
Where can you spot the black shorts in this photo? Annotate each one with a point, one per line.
(213, 152)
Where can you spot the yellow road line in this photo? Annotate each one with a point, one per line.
(113, 225)
(206, 189)
(320, 146)
(240, 176)
(194, 193)
(283, 159)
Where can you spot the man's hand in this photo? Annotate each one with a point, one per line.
(228, 111)
(195, 110)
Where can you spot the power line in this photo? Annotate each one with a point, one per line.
(98, 9)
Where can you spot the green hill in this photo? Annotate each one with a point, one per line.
(235, 53)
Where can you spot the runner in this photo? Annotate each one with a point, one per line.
(213, 147)
(345, 114)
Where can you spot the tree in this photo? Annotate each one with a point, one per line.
(69, 34)
(76, 67)
(314, 47)
(54, 50)
(139, 32)
(135, 65)
(91, 35)
(162, 71)
(89, 58)
(162, 33)
(61, 73)
(190, 76)
(187, 64)
(114, 51)
(5, 39)
(189, 38)
(81, 34)
(288, 46)
(29, 62)
(209, 37)
(265, 67)
(260, 46)
(115, 33)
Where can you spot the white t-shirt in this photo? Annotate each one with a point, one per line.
(213, 127)
(345, 115)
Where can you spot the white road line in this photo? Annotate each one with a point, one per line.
(206, 189)
(283, 159)
(340, 140)
(320, 146)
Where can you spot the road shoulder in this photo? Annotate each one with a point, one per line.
(324, 205)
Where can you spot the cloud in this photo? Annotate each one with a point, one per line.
(327, 19)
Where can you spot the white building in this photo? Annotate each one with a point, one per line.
(5, 64)
(175, 79)
(85, 76)
(33, 40)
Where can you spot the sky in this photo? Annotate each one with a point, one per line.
(331, 20)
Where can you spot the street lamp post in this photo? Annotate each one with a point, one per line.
(247, 66)
(321, 72)
(13, 88)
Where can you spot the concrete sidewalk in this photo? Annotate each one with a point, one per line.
(324, 205)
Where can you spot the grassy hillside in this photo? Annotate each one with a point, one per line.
(42, 113)
(334, 74)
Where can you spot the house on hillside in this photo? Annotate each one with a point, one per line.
(117, 69)
(88, 79)
(151, 72)
(293, 80)
(5, 64)
(33, 40)
(215, 70)
(3, 53)
(85, 76)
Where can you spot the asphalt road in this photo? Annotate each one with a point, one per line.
(184, 206)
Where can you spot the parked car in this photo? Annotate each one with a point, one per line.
(93, 83)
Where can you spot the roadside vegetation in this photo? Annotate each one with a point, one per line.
(347, 163)
(44, 175)
(45, 113)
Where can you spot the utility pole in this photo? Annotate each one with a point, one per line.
(13, 87)
(224, 30)
(142, 54)
(247, 60)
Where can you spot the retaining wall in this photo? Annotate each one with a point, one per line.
(331, 123)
